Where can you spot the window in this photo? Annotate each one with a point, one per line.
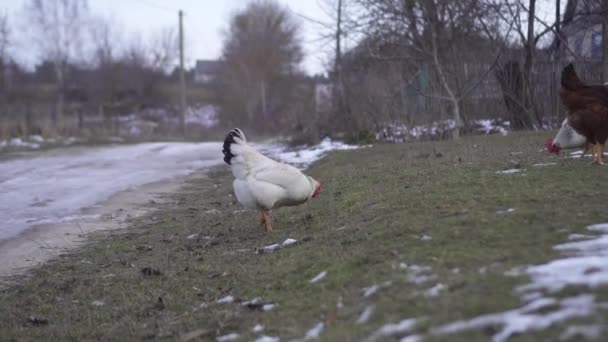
(596, 45)
(578, 45)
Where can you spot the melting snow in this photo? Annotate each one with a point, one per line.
(307, 156)
(404, 326)
(366, 314)
(585, 264)
(314, 332)
(502, 212)
(370, 291)
(589, 332)
(508, 172)
(267, 339)
(435, 290)
(228, 338)
(268, 307)
(98, 303)
(318, 277)
(69, 180)
(544, 164)
(412, 338)
(226, 300)
(288, 242)
(258, 328)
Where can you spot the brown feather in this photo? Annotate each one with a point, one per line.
(587, 106)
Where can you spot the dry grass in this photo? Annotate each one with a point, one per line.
(376, 206)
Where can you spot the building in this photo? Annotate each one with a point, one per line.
(206, 71)
(582, 28)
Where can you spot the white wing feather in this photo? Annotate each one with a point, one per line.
(261, 182)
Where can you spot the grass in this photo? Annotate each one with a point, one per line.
(376, 205)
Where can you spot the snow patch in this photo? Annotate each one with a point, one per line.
(226, 300)
(366, 314)
(502, 212)
(258, 328)
(228, 338)
(370, 291)
(288, 242)
(314, 332)
(508, 172)
(544, 164)
(401, 327)
(306, 156)
(318, 277)
(98, 303)
(525, 319)
(267, 339)
(585, 264)
(435, 291)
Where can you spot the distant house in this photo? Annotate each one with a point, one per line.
(582, 28)
(206, 71)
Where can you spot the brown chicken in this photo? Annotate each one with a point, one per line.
(587, 110)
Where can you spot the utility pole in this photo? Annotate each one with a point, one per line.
(182, 79)
(558, 53)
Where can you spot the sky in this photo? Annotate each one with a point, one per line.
(204, 22)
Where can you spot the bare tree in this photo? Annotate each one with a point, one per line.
(4, 59)
(261, 56)
(58, 30)
(436, 39)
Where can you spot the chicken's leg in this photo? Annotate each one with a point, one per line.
(595, 152)
(600, 153)
(267, 220)
(588, 146)
(262, 218)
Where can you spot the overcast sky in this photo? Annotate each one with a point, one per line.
(203, 23)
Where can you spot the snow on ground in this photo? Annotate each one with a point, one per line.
(314, 332)
(585, 264)
(391, 329)
(318, 277)
(305, 156)
(56, 185)
(366, 314)
(579, 154)
(508, 172)
(34, 142)
(204, 115)
(399, 132)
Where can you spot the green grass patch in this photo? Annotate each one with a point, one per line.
(378, 208)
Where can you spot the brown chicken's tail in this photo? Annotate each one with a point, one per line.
(570, 79)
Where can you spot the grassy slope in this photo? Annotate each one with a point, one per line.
(376, 204)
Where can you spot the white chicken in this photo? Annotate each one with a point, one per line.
(566, 137)
(263, 184)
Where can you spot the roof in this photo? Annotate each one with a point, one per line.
(208, 66)
(588, 12)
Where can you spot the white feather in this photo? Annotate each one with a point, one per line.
(262, 183)
(567, 137)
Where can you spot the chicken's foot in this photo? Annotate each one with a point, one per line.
(596, 151)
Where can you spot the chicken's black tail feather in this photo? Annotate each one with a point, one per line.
(235, 133)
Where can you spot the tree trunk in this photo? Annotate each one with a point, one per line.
(528, 64)
(457, 119)
(605, 46)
